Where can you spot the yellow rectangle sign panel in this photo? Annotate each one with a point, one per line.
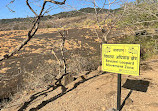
(121, 58)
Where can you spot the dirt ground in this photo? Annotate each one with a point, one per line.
(83, 42)
(96, 91)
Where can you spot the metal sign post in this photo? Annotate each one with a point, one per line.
(119, 92)
(121, 59)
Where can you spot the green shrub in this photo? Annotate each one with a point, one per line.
(143, 14)
(16, 27)
(89, 22)
(49, 26)
(146, 42)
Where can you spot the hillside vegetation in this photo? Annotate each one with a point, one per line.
(51, 21)
(35, 66)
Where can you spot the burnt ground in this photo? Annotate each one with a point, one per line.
(82, 42)
(36, 59)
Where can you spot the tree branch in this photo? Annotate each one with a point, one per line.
(33, 30)
(62, 50)
(31, 7)
(56, 2)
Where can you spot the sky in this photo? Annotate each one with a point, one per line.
(19, 9)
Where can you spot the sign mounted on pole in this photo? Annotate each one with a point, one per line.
(121, 58)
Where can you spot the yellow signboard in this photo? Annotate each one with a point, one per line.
(121, 58)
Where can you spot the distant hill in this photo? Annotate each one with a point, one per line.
(82, 11)
(75, 13)
(24, 23)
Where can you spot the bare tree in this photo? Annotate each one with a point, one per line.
(34, 28)
(110, 19)
(109, 15)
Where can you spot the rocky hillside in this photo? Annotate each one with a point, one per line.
(52, 21)
(32, 79)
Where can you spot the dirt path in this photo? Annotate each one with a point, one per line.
(96, 92)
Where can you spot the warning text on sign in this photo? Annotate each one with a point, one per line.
(121, 58)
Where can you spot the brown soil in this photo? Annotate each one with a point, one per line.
(38, 51)
(95, 92)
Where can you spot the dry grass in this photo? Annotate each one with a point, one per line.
(78, 64)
